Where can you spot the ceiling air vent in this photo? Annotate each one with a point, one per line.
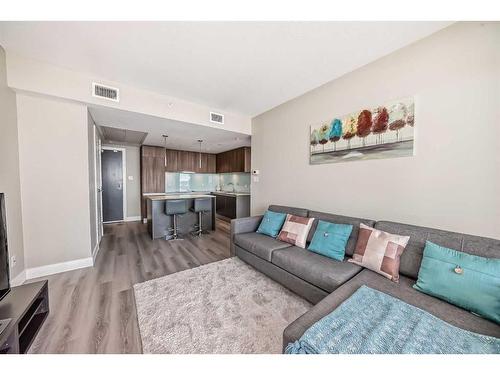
(105, 92)
(217, 118)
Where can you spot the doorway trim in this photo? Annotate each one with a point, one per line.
(124, 170)
(98, 185)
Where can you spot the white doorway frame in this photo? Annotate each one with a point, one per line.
(124, 177)
(98, 184)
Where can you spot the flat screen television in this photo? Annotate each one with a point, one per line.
(4, 254)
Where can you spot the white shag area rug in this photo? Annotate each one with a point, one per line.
(221, 307)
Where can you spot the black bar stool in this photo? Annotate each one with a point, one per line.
(175, 207)
(201, 205)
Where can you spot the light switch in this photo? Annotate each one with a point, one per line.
(131, 178)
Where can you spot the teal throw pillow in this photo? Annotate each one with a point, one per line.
(469, 281)
(330, 239)
(271, 223)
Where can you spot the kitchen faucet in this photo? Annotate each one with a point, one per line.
(230, 183)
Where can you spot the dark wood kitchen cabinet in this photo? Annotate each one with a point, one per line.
(237, 160)
(153, 169)
(188, 161)
(208, 163)
(152, 172)
(172, 157)
(201, 163)
(211, 163)
(232, 206)
(226, 206)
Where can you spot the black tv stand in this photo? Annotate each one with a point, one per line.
(27, 306)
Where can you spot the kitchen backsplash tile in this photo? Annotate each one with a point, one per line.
(240, 182)
(179, 182)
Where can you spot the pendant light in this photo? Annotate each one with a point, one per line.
(165, 153)
(200, 141)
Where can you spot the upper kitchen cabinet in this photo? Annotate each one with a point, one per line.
(211, 163)
(152, 151)
(201, 163)
(188, 161)
(237, 160)
(172, 161)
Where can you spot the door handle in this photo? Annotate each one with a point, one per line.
(119, 186)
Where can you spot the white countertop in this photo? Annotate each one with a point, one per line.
(164, 197)
(231, 194)
(191, 194)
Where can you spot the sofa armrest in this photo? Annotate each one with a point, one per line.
(243, 225)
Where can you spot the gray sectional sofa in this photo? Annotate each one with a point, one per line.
(327, 283)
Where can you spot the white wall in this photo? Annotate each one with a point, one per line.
(453, 182)
(38, 77)
(9, 171)
(133, 168)
(53, 156)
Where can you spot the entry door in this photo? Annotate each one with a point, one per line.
(112, 185)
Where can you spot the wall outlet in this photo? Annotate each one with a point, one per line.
(13, 261)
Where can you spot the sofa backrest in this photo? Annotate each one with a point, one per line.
(339, 219)
(412, 256)
(289, 210)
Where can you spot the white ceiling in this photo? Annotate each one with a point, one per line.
(244, 67)
(181, 135)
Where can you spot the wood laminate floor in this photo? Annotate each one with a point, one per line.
(92, 310)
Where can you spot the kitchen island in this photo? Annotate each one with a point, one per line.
(232, 205)
(159, 221)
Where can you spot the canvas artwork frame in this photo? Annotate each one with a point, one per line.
(386, 131)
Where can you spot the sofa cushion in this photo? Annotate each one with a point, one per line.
(412, 256)
(295, 230)
(271, 223)
(339, 219)
(259, 244)
(404, 291)
(379, 251)
(330, 239)
(323, 272)
(289, 210)
(465, 280)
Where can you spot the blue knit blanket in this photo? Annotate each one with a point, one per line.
(372, 322)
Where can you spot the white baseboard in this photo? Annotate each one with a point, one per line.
(133, 218)
(51, 269)
(19, 279)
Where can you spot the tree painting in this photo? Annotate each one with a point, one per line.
(397, 116)
(364, 124)
(382, 131)
(314, 138)
(335, 132)
(380, 122)
(410, 116)
(324, 135)
(349, 129)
